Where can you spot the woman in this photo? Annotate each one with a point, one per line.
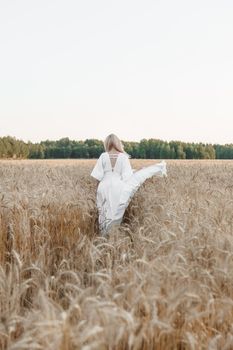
(118, 182)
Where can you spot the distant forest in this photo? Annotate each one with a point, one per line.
(10, 147)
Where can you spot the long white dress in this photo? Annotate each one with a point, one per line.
(117, 186)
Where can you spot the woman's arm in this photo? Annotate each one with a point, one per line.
(127, 170)
(98, 170)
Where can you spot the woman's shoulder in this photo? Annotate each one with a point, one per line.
(126, 155)
(103, 154)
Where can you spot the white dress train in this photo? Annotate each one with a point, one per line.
(117, 186)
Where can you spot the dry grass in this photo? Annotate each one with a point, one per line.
(163, 280)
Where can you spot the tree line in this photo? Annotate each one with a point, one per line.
(10, 147)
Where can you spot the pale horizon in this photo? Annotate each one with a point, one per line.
(141, 70)
(102, 139)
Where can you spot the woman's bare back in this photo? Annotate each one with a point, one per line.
(113, 155)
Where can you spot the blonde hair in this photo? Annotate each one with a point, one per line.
(112, 141)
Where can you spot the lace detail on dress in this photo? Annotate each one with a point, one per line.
(113, 156)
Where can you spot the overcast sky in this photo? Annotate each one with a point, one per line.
(140, 69)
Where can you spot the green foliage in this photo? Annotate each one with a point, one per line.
(10, 147)
(224, 151)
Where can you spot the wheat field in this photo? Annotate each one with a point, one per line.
(162, 280)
